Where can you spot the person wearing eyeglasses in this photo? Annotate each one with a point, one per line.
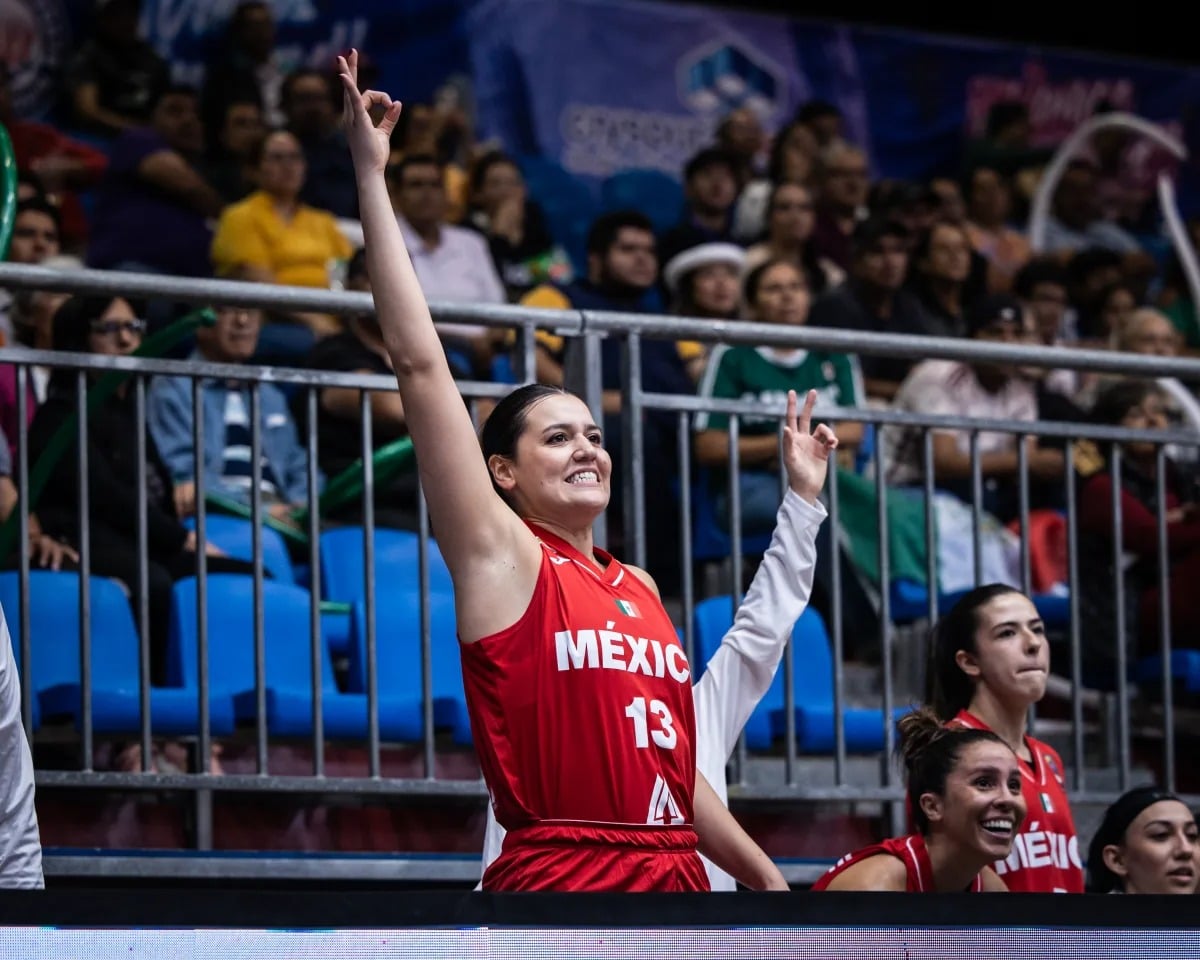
(110, 326)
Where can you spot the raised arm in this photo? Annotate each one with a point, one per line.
(492, 556)
(743, 667)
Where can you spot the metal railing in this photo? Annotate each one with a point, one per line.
(586, 328)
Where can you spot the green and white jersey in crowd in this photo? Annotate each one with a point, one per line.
(767, 374)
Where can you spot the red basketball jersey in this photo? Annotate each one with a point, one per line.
(1045, 851)
(911, 851)
(582, 710)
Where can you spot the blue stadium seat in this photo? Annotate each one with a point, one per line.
(813, 685)
(398, 656)
(1185, 670)
(288, 679)
(396, 552)
(656, 194)
(55, 669)
(812, 679)
(234, 536)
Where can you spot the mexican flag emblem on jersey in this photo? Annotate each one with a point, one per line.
(1046, 804)
(628, 608)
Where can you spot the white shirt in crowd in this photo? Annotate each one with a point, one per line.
(458, 269)
(20, 842)
(949, 388)
(743, 667)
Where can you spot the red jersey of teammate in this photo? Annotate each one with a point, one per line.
(1045, 851)
(583, 721)
(911, 851)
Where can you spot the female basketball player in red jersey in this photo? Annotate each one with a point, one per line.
(964, 788)
(578, 689)
(989, 661)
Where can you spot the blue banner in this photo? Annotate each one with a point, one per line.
(605, 85)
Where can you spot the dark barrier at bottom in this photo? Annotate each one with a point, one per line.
(261, 922)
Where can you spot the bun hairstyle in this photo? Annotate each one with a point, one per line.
(930, 751)
(506, 422)
(947, 689)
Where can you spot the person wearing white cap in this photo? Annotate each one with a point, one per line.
(704, 281)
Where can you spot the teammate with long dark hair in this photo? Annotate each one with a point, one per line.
(989, 662)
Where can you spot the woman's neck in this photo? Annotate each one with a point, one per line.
(948, 293)
(580, 539)
(788, 248)
(955, 866)
(1008, 721)
(286, 207)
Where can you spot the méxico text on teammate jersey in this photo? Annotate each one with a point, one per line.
(1033, 849)
(609, 649)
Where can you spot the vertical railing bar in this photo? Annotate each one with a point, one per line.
(635, 453)
(789, 657)
(593, 396)
(1079, 776)
(1118, 548)
(1023, 513)
(1023, 521)
(976, 510)
(85, 571)
(143, 572)
(735, 543)
(685, 540)
(368, 506)
(528, 353)
(260, 648)
(885, 624)
(1164, 616)
(203, 799)
(932, 574)
(315, 634)
(838, 625)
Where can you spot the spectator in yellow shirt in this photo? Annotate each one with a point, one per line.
(272, 237)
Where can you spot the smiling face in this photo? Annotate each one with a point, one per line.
(981, 806)
(561, 471)
(1159, 852)
(1011, 656)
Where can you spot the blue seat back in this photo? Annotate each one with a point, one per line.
(230, 609)
(398, 646)
(54, 630)
(812, 660)
(396, 554)
(235, 535)
(656, 194)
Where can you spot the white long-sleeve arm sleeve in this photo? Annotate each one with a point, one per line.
(743, 667)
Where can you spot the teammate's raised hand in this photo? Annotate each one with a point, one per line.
(806, 455)
(369, 144)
